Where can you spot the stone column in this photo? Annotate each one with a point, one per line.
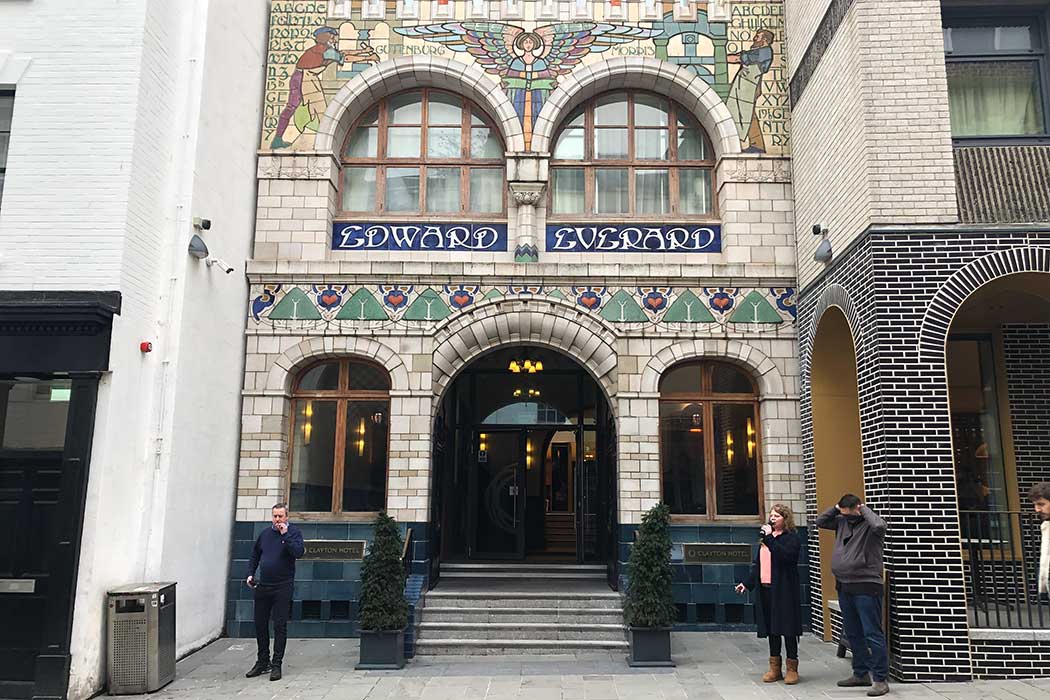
(526, 196)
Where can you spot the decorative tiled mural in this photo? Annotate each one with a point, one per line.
(319, 305)
(526, 46)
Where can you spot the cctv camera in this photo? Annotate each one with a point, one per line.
(221, 264)
(202, 224)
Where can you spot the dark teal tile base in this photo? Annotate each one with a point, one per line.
(321, 583)
(704, 593)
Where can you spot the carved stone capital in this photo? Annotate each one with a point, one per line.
(296, 167)
(526, 193)
(755, 170)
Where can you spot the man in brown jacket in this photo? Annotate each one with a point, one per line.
(857, 565)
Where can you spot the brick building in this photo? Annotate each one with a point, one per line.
(452, 193)
(921, 180)
(116, 463)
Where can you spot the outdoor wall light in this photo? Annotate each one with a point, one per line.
(823, 252)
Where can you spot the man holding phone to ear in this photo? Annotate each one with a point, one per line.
(274, 554)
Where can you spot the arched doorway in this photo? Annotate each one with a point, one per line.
(837, 457)
(524, 462)
(997, 356)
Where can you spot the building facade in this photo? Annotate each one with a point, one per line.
(521, 270)
(116, 457)
(920, 174)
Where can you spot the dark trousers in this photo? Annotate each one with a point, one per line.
(862, 620)
(775, 639)
(272, 602)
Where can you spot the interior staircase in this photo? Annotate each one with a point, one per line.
(491, 609)
(559, 533)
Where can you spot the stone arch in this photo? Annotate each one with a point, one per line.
(405, 73)
(677, 82)
(770, 381)
(548, 323)
(950, 296)
(284, 369)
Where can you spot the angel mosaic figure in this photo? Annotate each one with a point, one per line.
(528, 62)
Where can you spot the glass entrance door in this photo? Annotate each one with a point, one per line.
(498, 494)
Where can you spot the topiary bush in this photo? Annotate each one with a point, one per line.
(383, 605)
(649, 598)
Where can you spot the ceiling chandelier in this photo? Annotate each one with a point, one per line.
(525, 365)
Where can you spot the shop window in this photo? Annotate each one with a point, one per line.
(632, 154)
(341, 418)
(709, 441)
(997, 75)
(423, 152)
(7, 106)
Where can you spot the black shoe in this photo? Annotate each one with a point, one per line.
(258, 669)
(275, 672)
(855, 682)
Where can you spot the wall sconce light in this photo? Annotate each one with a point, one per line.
(750, 440)
(361, 441)
(308, 426)
(697, 422)
(528, 453)
(729, 447)
(482, 445)
(377, 417)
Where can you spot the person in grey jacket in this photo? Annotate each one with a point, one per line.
(857, 565)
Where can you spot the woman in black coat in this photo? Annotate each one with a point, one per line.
(775, 574)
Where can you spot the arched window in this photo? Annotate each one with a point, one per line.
(423, 152)
(709, 441)
(341, 415)
(631, 154)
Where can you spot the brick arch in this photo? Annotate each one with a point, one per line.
(295, 358)
(549, 323)
(941, 310)
(405, 73)
(757, 363)
(676, 82)
(834, 295)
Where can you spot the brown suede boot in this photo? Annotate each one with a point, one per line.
(773, 674)
(791, 677)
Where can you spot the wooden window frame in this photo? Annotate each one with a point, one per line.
(1038, 18)
(707, 397)
(465, 163)
(589, 164)
(342, 396)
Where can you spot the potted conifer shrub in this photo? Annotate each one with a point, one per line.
(384, 611)
(649, 608)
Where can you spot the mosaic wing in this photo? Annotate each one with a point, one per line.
(488, 42)
(569, 42)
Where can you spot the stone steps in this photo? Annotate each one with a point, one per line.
(587, 615)
(512, 608)
(519, 631)
(494, 647)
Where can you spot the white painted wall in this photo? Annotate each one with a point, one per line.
(131, 118)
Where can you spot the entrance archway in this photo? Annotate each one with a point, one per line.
(837, 456)
(526, 467)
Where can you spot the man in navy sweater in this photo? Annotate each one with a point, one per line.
(274, 554)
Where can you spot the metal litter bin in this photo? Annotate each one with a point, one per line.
(141, 638)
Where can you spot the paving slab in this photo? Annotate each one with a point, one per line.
(710, 665)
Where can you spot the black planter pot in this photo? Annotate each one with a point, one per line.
(383, 650)
(650, 646)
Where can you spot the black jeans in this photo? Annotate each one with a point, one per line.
(272, 602)
(774, 639)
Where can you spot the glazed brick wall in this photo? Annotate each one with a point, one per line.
(890, 279)
(1002, 658)
(704, 593)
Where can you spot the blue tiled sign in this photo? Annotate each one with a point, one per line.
(410, 236)
(635, 238)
